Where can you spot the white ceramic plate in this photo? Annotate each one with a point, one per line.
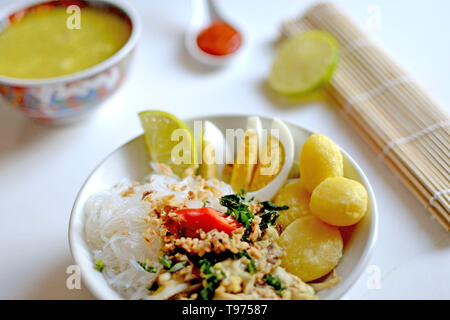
(131, 161)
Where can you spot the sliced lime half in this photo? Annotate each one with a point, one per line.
(304, 62)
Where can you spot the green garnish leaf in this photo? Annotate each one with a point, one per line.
(239, 255)
(268, 218)
(232, 200)
(205, 266)
(99, 265)
(267, 205)
(276, 283)
(251, 266)
(146, 267)
(204, 294)
(178, 266)
(237, 209)
(213, 278)
(269, 214)
(205, 203)
(169, 264)
(165, 261)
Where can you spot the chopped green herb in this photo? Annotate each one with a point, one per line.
(276, 283)
(267, 205)
(99, 265)
(251, 266)
(169, 264)
(165, 261)
(239, 255)
(237, 209)
(205, 293)
(205, 266)
(146, 267)
(178, 266)
(269, 214)
(268, 218)
(205, 203)
(213, 278)
(232, 200)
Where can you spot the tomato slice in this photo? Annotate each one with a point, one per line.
(188, 222)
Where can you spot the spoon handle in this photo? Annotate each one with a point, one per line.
(204, 11)
(212, 9)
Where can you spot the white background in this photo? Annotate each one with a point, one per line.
(42, 168)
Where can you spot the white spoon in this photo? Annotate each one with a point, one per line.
(204, 13)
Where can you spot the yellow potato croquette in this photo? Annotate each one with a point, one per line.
(320, 158)
(339, 201)
(294, 195)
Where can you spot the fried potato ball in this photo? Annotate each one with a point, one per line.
(294, 195)
(313, 248)
(320, 158)
(339, 201)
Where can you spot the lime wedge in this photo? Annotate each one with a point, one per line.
(304, 62)
(169, 140)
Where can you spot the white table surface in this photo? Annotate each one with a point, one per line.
(42, 168)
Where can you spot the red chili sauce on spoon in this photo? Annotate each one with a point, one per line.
(219, 39)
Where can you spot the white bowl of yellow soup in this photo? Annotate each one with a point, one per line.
(58, 59)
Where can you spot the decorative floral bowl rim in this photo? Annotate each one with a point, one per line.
(86, 73)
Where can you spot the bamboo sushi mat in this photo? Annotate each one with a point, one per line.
(394, 115)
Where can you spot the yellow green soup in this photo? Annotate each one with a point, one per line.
(42, 46)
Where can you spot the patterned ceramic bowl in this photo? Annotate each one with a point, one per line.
(70, 96)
